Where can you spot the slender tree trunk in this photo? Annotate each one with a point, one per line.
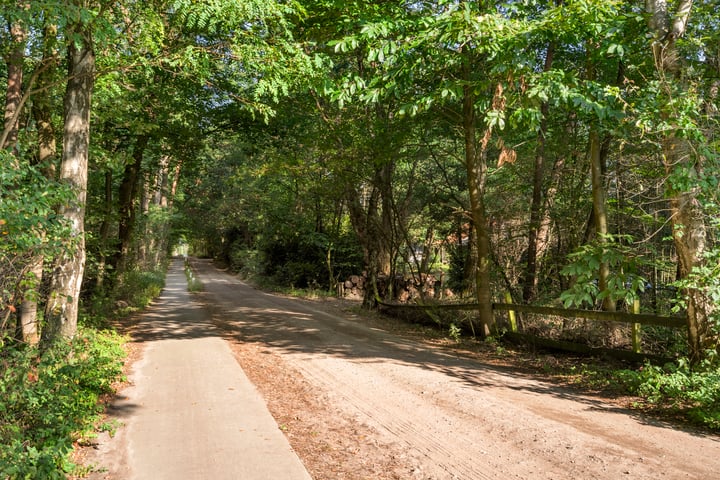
(600, 211)
(47, 151)
(172, 179)
(43, 107)
(385, 225)
(543, 234)
(152, 248)
(61, 312)
(126, 202)
(104, 234)
(689, 228)
(598, 151)
(14, 94)
(536, 206)
(476, 166)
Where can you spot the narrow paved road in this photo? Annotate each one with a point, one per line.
(455, 418)
(191, 412)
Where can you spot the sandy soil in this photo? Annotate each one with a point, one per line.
(360, 401)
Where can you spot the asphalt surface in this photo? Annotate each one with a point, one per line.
(191, 412)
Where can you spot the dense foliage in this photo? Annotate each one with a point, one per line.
(538, 148)
(49, 401)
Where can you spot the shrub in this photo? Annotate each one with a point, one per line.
(139, 288)
(696, 392)
(302, 261)
(50, 399)
(458, 280)
(245, 262)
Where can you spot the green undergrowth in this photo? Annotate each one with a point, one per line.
(310, 293)
(269, 284)
(193, 283)
(693, 393)
(673, 390)
(51, 399)
(132, 292)
(139, 288)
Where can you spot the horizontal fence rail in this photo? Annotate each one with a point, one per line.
(624, 317)
(635, 319)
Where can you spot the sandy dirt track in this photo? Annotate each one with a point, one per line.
(359, 402)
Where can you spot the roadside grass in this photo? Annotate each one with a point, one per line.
(309, 293)
(677, 389)
(193, 283)
(267, 284)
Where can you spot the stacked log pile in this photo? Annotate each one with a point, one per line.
(405, 288)
(353, 287)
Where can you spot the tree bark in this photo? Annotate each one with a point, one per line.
(14, 94)
(373, 227)
(600, 211)
(543, 234)
(536, 206)
(476, 166)
(689, 228)
(104, 233)
(126, 202)
(27, 317)
(47, 150)
(167, 201)
(61, 312)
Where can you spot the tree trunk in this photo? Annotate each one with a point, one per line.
(689, 228)
(476, 166)
(61, 312)
(690, 237)
(536, 206)
(104, 233)
(29, 325)
(600, 211)
(42, 105)
(47, 150)
(158, 194)
(543, 234)
(168, 198)
(371, 224)
(126, 203)
(14, 94)
(13, 102)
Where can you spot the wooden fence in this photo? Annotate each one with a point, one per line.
(635, 319)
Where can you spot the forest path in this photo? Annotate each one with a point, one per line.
(190, 412)
(359, 402)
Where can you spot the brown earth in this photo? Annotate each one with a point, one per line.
(363, 397)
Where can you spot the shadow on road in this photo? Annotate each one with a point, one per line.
(295, 326)
(175, 315)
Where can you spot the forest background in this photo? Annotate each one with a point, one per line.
(560, 151)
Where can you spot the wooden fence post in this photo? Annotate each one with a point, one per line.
(636, 328)
(511, 313)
